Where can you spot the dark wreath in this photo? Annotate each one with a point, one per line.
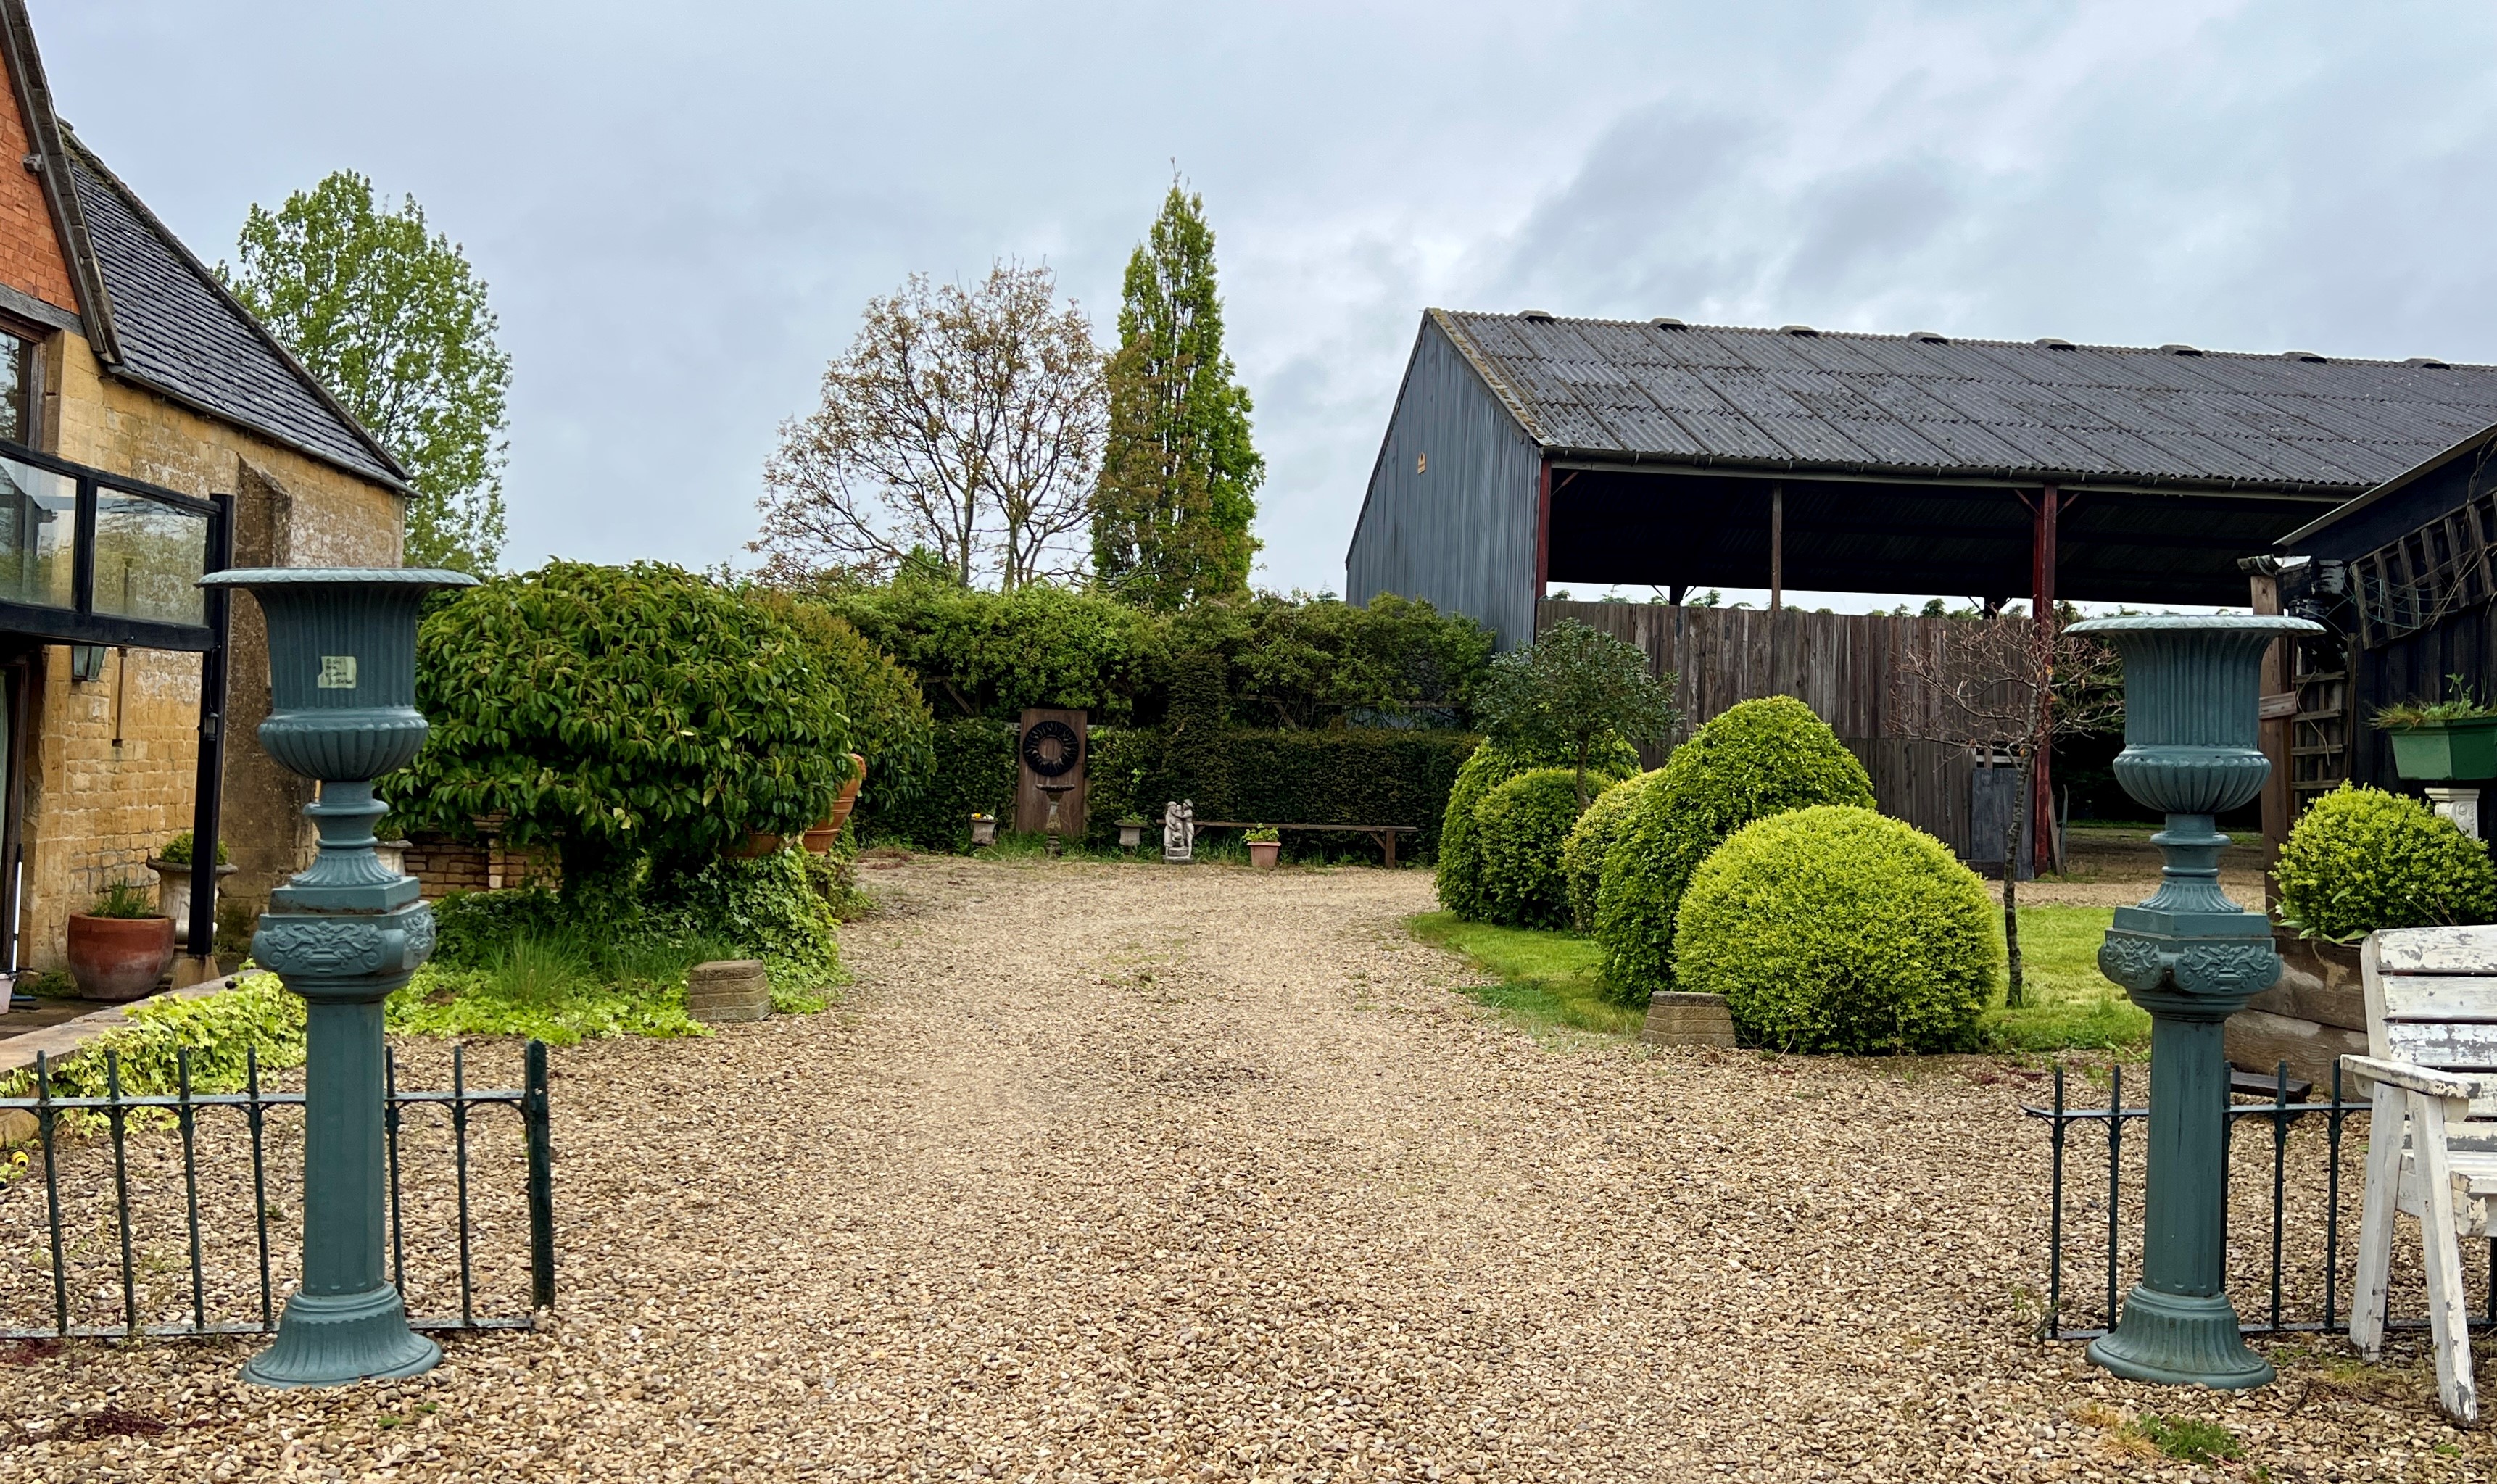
(1069, 748)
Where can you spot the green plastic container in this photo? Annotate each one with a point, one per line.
(2447, 751)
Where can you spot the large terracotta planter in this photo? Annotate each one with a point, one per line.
(819, 840)
(119, 958)
(1263, 853)
(2447, 751)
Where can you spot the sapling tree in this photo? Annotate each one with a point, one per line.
(2006, 686)
(1571, 693)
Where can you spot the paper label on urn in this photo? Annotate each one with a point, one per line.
(338, 672)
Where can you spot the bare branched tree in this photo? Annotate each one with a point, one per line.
(965, 423)
(2006, 686)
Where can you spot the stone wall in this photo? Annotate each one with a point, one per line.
(444, 865)
(93, 811)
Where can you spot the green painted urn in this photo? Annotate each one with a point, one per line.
(343, 933)
(2192, 958)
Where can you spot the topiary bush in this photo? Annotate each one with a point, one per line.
(1760, 758)
(889, 720)
(1590, 841)
(1520, 827)
(2361, 859)
(1459, 865)
(1833, 929)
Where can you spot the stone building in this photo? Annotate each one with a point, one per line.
(148, 428)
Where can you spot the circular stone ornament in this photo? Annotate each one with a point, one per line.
(1041, 758)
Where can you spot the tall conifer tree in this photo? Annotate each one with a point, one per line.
(1178, 475)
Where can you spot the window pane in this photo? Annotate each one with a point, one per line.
(148, 560)
(13, 388)
(38, 532)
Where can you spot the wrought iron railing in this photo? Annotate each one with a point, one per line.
(62, 1254)
(2310, 1205)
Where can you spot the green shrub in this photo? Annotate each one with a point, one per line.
(623, 714)
(768, 907)
(889, 721)
(2361, 859)
(1833, 929)
(219, 1030)
(973, 772)
(1520, 828)
(1364, 775)
(1759, 758)
(1460, 856)
(1196, 756)
(177, 850)
(1591, 840)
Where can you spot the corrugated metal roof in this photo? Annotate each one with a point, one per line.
(1843, 401)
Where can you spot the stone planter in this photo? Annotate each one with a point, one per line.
(173, 893)
(2445, 751)
(1687, 1020)
(984, 830)
(728, 991)
(1265, 854)
(1131, 833)
(119, 958)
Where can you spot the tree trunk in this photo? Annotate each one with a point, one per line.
(2014, 994)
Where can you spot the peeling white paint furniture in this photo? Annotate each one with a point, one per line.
(2432, 1141)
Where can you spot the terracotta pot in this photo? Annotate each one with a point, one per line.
(1263, 853)
(119, 958)
(756, 845)
(819, 840)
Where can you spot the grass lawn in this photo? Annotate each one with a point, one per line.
(1549, 979)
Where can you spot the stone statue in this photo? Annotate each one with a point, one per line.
(1179, 831)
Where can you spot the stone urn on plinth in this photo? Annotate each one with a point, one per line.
(2192, 958)
(343, 933)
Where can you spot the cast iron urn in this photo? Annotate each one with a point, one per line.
(343, 933)
(2192, 958)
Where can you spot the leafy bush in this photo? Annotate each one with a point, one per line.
(981, 654)
(177, 850)
(219, 1030)
(767, 906)
(974, 771)
(889, 720)
(1521, 826)
(1759, 758)
(1832, 928)
(2361, 859)
(1591, 840)
(1304, 662)
(1460, 874)
(622, 713)
(1571, 690)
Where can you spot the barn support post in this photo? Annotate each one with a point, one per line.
(1777, 546)
(2042, 612)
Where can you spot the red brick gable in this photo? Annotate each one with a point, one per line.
(31, 260)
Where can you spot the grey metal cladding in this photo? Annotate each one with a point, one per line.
(1843, 400)
(180, 331)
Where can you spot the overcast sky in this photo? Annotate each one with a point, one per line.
(681, 209)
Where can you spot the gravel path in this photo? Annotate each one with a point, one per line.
(1130, 1173)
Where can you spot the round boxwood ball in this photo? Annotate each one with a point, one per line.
(1591, 840)
(1835, 928)
(2361, 859)
(1522, 824)
(1760, 758)
(1459, 871)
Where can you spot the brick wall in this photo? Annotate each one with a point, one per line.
(30, 250)
(445, 864)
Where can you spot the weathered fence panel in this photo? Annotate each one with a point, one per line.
(1851, 669)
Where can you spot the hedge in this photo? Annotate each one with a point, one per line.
(1521, 826)
(1460, 868)
(2361, 859)
(1835, 929)
(974, 771)
(1589, 842)
(1756, 759)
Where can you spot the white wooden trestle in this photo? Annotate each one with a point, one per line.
(2432, 1139)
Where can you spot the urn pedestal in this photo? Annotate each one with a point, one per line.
(2192, 958)
(343, 933)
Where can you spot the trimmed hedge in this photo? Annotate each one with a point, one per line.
(1834, 928)
(1759, 758)
(974, 771)
(1460, 869)
(1522, 824)
(2361, 859)
(1591, 840)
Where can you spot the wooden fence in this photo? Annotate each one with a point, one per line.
(1851, 669)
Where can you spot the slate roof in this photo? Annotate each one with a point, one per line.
(1840, 401)
(180, 334)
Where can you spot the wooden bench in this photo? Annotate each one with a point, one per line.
(2432, 1139)
(1383, 835)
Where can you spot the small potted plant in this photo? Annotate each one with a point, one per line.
(1132, 831)
(984, 830)
(121, 946)
(1265, 846)
(172, 867)
(2443, 742)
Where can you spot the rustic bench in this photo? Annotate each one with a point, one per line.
(1383, 835)
(2432, 1144)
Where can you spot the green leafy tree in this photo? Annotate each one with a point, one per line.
(1178, 475)
(624, 713)
(393, 320)
(1571, 691)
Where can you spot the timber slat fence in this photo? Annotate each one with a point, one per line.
(77, 1220)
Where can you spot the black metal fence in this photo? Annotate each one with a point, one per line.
(2295, 1284)
(110, 1245)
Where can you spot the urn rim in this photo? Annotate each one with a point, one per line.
(330, 577)
(2186, 624)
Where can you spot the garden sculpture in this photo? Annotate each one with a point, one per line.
(1179, 831)
(2192, 958)
(343, 933)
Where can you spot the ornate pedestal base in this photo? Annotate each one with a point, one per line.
(2180, 1339)
(334, 1338)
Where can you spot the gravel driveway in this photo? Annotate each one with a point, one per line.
(1136, 1173)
